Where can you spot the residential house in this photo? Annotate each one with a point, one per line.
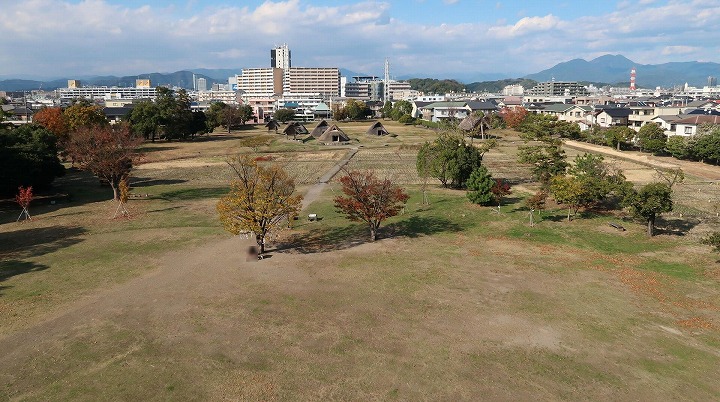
(610, 117)
(688, 126)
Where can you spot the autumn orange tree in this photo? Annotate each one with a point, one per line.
(260, 201)
(513, 117)
(369, 199)
(107, 151)
(53, 119)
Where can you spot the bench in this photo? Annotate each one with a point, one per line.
(617, 226)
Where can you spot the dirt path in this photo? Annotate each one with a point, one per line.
(698, 169)
(314, 192)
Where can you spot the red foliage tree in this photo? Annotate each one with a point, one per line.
(53, 119)
(24, 197)
(369, 199)
(513, 117)
(500, 189)
(106, 151)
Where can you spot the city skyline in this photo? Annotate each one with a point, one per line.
(450, 38)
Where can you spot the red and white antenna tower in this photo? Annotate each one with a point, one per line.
(632, 79)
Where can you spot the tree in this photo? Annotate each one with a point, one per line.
(356, 109)
(652, 200)
(261, 199)
(107, 151)
(480, 186)
(386, 109)
(547, 160)
(213, 115)
(145, 119)
(678, 146)
(536, 202)
(618, 135)
(513, 117)
(230, 117)
(400, 109)
(24, 197)
(651, 138)
(246, 113)
(500, 189)
(82, 113)
(569, 190)
(706, 144)
(28, 157)
(450, 159)
(369, 199)
(284, 115)
(53, 119)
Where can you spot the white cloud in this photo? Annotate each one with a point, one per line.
(94, 36)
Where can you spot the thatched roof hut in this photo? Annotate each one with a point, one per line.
(333, 134)
(295, 128)
(472, 123)
(272, 125)
(319, 129)
(377, 129)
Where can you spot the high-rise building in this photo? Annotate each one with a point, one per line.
(201, 84)
(712, 81)
(260, 81)
(308, 80)
(280, 57)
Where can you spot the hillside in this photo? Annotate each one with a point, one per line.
(616, 68)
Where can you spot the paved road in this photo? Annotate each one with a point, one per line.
(314, 192)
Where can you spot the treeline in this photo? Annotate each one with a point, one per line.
(435, 86)
(497, 86)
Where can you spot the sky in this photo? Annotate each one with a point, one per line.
(420, 38)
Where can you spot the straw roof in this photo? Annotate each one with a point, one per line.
(333, 134)
(377, 129)
(295, 128)
(272, 125)
(319, 129)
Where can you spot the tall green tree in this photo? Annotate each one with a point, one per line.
(649, 202)
(617, 136)
(480, 185)
(706, 144)
(284, 115)
(449, 159)
(28, 157)
(546, 160)
(651, 138)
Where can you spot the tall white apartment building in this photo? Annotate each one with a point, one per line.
(305, 80)
(260, 82)
(280, 57)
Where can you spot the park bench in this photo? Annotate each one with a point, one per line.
(617, 226)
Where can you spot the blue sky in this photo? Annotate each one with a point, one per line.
(465, 39)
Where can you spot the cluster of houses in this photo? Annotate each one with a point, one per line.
(674, 116)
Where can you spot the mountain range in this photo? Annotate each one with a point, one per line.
(610, 69)
(614, 69)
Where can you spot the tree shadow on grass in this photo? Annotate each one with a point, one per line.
(147, 182)
(149, 149)
(675, 227)
(194, 193)
(323, 239)
(26, 243)
(10, 268)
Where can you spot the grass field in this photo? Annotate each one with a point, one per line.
(455, 302)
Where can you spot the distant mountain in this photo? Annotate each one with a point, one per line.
(182, 79)
(616, 69)
(220, 74)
